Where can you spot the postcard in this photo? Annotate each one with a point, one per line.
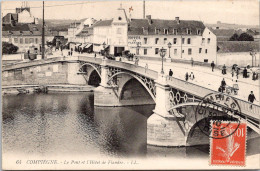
(91, 85)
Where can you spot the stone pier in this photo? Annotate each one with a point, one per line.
(162, 128)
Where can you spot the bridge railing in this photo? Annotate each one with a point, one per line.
(90, 59)
(201, 92)
(31, 63)
(133, 68)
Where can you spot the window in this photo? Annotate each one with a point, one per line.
(206, 50)
(198, 32)
(183, 40)
(21, 40)
(156, 40)
(119, 18)
(156, 51)
(119, 31)
(182, 51)
(175, 31)
(31, 40)
(203, 40)
(188, 41)
(200, 49)
(166, 31)
(157, 31)
(36, 40)
(175, 41)
(26, 41)
(175, 51)
(15, 40)
(188, 31)
(145, 40)
(164, 40)
(189, 51)
(208, 40)
(145, 51)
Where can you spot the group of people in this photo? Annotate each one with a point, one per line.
(191, 76)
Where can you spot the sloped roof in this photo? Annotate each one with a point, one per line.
(103, 23)
(86, 31)
(136, 26)
(225, 32)
(237, 46)
(17, 27)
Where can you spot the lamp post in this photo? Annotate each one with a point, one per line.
(252, 53)
(162, 54)
(169, 46)
(137, 48)
(104, 46)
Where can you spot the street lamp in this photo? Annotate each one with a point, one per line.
(104, 46)
(169, 46)
(137, 48)
(252, 53)
(162, 54)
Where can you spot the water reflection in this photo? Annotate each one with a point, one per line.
(69, 124)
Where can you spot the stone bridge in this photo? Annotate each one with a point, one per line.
(123, 84)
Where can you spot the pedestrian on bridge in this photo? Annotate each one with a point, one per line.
(170, 74)
(251, 98)
(224, 70)
(212, 66)
(192, 76)
(187, 76)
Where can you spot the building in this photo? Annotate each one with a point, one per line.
(22, 15)
(145, 37)
(76, 27)
(25, 35)
(112, 34)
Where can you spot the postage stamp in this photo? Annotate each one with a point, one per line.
(230, 150)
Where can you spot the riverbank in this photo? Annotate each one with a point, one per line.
(16, 89)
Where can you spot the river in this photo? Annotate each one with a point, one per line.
(69, 124)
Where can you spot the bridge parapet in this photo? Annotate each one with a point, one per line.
(201, 92)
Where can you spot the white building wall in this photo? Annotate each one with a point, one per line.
(177, 50)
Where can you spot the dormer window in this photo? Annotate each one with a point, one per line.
(157, 31)
(175, 31)
(198, 32)
(166, 31)
(145, 31)
(188, 31)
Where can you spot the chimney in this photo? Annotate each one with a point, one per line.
(177, 19)
(149, 18)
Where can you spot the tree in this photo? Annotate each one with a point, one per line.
(9, 48)
(245, 37)
(234, 37)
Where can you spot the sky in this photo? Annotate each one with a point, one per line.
(244, 12)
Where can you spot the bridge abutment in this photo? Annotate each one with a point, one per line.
(163, 129)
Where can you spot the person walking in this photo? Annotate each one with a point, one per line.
(186, 76)
(237, 72)
(212, 66)
(192, 76)
(251, 98)
(245, 73)
(224, 69)
(170, 74)
(223, 85)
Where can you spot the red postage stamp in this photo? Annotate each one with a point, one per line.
(230, 150)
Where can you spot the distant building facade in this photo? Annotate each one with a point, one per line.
(145, 37)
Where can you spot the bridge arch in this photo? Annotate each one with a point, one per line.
(92, 65)
(148, 85)
(190, 124)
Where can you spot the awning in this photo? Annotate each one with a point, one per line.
(107, 46)
(82, 45)
(88, 45)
